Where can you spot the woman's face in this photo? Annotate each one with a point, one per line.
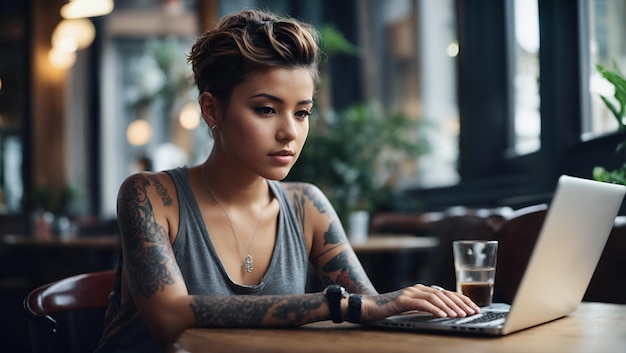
(265, 125)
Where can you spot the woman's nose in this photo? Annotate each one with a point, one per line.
(287, 129)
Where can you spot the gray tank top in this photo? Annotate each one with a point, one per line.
(201, 267)
(204, 274)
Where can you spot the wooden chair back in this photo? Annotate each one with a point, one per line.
(517, 238)
(68, 315)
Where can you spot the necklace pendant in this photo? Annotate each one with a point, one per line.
(249, 263)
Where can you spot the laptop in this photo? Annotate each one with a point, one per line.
(575, 230)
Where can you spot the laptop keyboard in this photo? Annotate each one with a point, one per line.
(484, 317)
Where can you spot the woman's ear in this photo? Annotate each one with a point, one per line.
(209, 106)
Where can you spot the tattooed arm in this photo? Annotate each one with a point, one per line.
(331, 255)
(334, 260)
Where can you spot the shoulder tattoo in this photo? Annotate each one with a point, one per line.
(161, 191)
(147, 252)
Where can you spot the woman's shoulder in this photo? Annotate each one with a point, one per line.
(151, 196)
(299, 188)
(148, 178)
(148, 183)
(307, 195)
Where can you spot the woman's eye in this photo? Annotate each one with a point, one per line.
(264, 110)
(303, 114)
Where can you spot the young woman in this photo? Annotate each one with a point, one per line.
(225, 243)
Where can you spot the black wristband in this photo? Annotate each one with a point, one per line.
(334, 293)
(354, 308)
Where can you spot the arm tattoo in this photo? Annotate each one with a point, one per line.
(331, 236)
(250, 311)
(346, 274)
(313, 196)
(342, 266)
(301, 193)
(298, 205)
(162, 191)
(296, 310)
(147, 252)
(383, 299)
(338, 263)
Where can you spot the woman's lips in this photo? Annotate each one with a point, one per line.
(283, 157)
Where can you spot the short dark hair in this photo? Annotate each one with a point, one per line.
(251, 41)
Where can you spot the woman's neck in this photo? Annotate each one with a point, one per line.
(234, 188)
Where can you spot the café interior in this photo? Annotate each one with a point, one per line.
(476, 108)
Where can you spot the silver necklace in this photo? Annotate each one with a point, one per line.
(248, 261)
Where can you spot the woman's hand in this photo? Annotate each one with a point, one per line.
(441, 303)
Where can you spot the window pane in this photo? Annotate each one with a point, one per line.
(607, 47)
(409, 66)
(13, 95)
(526, 80)
(439, 106)
(151, 118)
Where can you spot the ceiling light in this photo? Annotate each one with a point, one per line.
(139, 132)
(71, 35)
(61, 59)
(189, 116)
(86, 8)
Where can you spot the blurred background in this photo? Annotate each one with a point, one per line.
(423, 106)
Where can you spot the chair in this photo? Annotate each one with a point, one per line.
(608, 284)
(68, 315)
(516, 241)
(517, 238)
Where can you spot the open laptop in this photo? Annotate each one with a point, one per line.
(574, 233)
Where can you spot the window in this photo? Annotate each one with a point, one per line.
(527, 124)
(607, 46)
(151, 118)
(409, 57)
(14, 78)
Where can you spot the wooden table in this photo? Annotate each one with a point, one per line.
(89, 242)
(594, 327)
(379, 243)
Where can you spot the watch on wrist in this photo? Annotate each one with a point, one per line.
(334, 293)
(354, 308)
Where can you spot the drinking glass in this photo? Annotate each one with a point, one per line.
(475, 265)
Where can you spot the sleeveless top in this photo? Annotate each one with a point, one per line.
(203, 272)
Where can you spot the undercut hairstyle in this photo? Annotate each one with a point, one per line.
(247, 42)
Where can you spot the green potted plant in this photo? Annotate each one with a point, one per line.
(51, 210)
(618, 109)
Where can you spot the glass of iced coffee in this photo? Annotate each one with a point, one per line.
(475, 265)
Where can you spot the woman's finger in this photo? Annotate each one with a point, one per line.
(447, 301)
(462, 302)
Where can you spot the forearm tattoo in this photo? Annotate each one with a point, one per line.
(147, 254)
(254, 311)
(387, 298)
